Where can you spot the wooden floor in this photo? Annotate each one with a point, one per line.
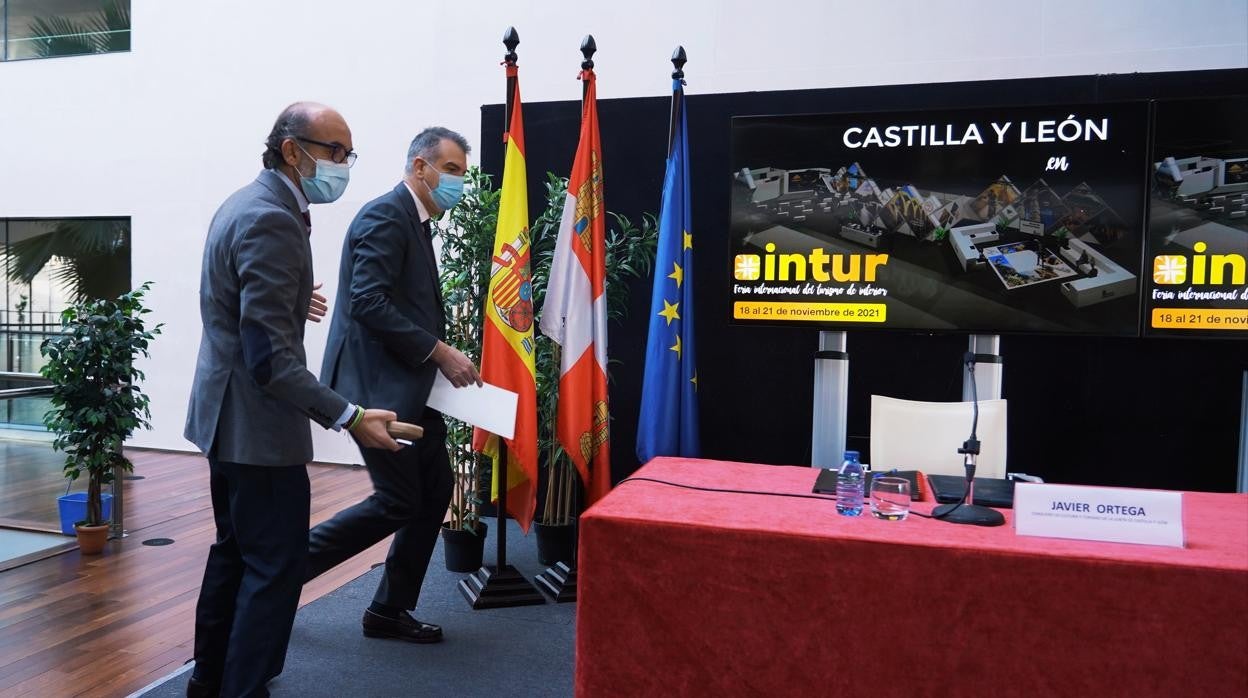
(110, 624)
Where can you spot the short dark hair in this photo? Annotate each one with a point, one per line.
(291, 123)
(427, 144)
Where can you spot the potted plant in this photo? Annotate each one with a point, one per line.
(96, 401)
(553, 524)
(467, 245)
(630, 255)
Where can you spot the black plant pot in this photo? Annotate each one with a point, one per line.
(464, 549)
(554, 543)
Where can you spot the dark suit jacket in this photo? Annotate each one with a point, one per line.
(253, 394)
(388, 314)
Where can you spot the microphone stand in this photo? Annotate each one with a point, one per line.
(962, 512)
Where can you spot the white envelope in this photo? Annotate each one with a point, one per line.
(490, 407)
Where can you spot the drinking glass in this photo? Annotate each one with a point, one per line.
(890, 498)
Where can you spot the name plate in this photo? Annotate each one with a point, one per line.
(1151, 517)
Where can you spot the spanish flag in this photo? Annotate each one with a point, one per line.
(507, 337)
(575, 312)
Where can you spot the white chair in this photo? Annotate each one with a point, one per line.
(926, 436)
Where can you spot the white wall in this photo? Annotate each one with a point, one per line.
(164, 133)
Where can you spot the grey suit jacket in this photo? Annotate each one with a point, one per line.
(388, 313)
(253, 394)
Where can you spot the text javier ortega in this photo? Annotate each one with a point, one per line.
(1151, 517)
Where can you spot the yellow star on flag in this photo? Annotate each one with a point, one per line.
(678, 274)
(688, 241)
(676, 347)
(694, 380)
(671, 311)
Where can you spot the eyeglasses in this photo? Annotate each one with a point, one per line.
(338, 152)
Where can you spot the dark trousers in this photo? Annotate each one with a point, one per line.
(254, 575)
(411, 491)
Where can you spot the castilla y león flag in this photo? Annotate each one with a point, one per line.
(507, 338)
(575, 311)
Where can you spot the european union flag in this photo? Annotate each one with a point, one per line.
(669, 397)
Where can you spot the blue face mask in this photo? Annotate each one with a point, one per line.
(328, 183)
(449, 191)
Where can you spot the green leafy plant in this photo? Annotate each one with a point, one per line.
(630, 255)
(561, 477)
(467, 236)
(96, 401)
(467, 246)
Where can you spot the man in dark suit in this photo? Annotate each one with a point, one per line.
(385, 347)
(252, 397)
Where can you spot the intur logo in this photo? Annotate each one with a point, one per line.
(1171, 269)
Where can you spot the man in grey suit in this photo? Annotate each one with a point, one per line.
(252, 397)
(385, 348)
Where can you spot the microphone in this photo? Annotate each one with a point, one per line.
(961, 512)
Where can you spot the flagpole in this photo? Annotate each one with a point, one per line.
(678, 61)
(502, 585)
(511, 39)
(559, 580)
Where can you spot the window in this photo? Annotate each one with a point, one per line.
(49, 263)
(48, 28)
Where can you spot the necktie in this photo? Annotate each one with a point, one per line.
(433, 264)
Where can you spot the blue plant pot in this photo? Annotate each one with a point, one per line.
(73, 508)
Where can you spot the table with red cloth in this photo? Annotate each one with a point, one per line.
(686, 592)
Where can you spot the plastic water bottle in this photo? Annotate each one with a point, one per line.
(849, 486)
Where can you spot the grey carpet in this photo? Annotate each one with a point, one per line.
(522, 651)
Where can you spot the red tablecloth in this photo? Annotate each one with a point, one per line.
(683, 592)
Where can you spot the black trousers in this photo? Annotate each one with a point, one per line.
(255, 571)
(411, 491)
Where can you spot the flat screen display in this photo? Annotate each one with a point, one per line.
(1196, 283)
(1001, 219)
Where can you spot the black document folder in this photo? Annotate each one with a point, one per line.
(825, 483)
(989, 492)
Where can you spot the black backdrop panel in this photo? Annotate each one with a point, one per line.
(1091, 410)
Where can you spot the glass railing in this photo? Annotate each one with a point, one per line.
(19, 350)
(75, 44)
(31, 477)
(21, 335)
(32, 482)
(25, 405)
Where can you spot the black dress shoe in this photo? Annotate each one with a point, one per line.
(201, 689)
(405, 627)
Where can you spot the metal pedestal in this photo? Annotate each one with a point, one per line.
(828, 432)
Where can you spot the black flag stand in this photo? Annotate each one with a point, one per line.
(502, 585)
(559, 580)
